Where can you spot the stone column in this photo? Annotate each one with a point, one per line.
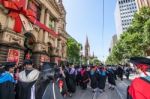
(47, 18)
(60, 48)
(65, 51)
(147, 3)
(45, 36)
(42, 21)
(56, 26)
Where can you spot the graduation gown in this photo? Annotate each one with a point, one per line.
(23, 90)
(101, 79)
(71, 80)
(78, 77)
(7, 86)
(111, 77)
(25, 83)
(120, 72)
(84, 79)
(94, 82)
(139, 88)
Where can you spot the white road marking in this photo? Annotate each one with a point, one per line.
(120, 95)
(94, 96)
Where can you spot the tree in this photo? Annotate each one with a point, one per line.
(135, 41)
(94, 61)
(73, 51)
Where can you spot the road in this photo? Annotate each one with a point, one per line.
(118, 93)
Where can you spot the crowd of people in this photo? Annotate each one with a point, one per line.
(26, 82)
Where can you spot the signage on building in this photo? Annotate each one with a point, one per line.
(26, 24)
(44, 58)
(13, 56)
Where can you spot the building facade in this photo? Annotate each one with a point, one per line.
(113, 42)
(142, 3)
(124, 12)
(32, 29)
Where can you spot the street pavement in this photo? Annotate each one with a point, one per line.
(121, 88)
(120, 92)
(88, 94)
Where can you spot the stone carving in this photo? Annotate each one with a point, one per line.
(11, 38)
(43, 48)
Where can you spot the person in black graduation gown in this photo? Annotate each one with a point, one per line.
(46, 87)
(27, 79)
(111, 78)
(120, 72)
(78, 76)
(60, 80)
(93, 78)
(71, 79)
(84, 77)
(7, 82)
(101, 78)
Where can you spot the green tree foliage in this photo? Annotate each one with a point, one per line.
(73, 51)
(94, 61)
(135, 41)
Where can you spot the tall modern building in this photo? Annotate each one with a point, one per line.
(124, 12)
(113, 42)
(142, 3)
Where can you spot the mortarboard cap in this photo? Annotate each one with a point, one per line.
(141, 62)
(28, 62)
(9, 65)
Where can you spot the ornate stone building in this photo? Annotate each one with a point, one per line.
(142, 3)
(32, 29)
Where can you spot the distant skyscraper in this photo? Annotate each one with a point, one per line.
(113, 42)
(124, 12)
(142, 3)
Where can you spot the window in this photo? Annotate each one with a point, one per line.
(35, 8)
(38, 13)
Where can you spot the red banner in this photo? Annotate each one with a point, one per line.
(13, 56)
(44, 58)
(16, 8)
(33, 7)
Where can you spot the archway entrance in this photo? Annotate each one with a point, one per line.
(29, 45)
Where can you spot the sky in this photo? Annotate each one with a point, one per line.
(84, 17)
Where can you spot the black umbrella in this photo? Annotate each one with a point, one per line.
(140, 60)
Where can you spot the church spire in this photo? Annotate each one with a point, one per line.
(87, 42)
(60, 1)
(93, 55)
(87, 50)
